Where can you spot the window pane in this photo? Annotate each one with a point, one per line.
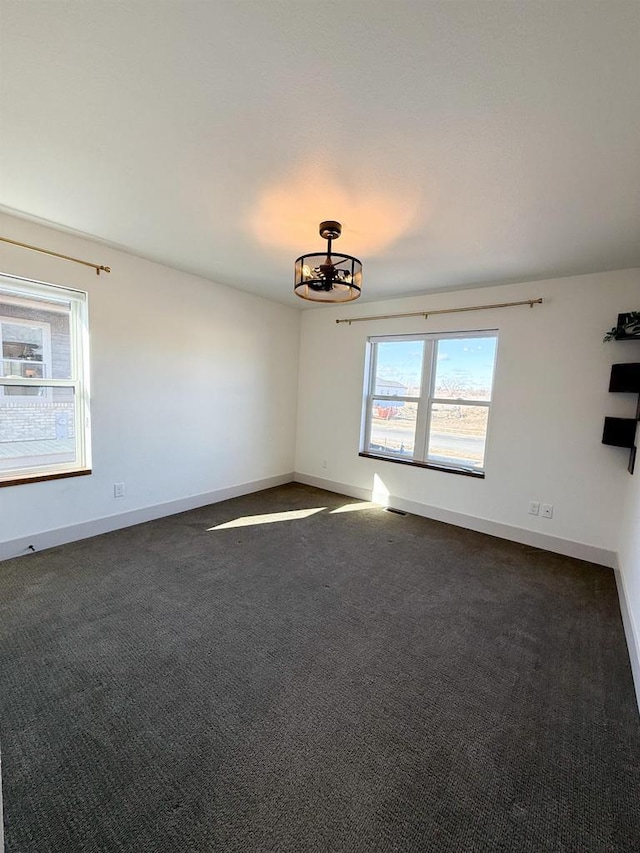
(393, 427)
(34, 332)
(20, 369)
(464, 368)
(37, 427)
(398, 368)
(457, 435)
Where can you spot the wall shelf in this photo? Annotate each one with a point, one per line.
(621, 432)
(625, 378)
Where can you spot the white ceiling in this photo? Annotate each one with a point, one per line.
(460, 143)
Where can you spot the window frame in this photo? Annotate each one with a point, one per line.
(425, 401)
(79, 382)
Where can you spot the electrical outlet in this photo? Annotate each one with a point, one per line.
(118, 490)
(534, 507)
(547, 510)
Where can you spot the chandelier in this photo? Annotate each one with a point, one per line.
(328, 277)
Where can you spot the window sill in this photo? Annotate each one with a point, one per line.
(478, 475)
(40, 478)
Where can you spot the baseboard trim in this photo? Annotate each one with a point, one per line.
(96, 526)
(631, 631)
(567, 547)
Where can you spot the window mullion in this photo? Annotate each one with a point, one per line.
(423, 403)
(78, 369)
(38, 382)
(460, 401)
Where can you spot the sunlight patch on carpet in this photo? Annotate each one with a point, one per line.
(356, 507)
(269, 518)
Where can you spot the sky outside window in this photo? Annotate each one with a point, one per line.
(401, 361)
(464, 367)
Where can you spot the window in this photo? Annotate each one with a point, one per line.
(427, 399)
(44, 389)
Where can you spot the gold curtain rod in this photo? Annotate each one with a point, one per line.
(97, 267)
(427, 314)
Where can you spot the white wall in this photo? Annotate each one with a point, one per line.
(551, 396)
(629, 556)
(193, 390)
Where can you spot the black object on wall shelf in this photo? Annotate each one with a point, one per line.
(625, 378)
(621, 432)
(626, 329)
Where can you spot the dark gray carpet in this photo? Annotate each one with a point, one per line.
(358, 681)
